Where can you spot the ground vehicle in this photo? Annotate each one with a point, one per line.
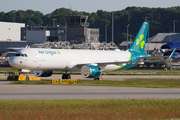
(13, 76)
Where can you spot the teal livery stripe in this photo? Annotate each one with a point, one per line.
(125, 66)
(137, 48)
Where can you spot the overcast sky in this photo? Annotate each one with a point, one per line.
(48, 6)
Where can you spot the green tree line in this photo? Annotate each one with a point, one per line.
(160, 20)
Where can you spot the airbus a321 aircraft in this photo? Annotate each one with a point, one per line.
(90, 63)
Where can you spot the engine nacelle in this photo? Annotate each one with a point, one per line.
(90, 71)
(43, 73)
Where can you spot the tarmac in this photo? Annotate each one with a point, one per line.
(67, 92)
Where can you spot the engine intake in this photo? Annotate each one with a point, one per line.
(43, 73)
(90, 71)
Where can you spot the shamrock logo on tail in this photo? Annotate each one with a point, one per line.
(140, 42)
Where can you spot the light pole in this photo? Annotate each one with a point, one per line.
(106, 35)
(129, 39)
(46, 33)
(146, 18)
(148, 32)
(54, 21)
(174, 22)
(46, 27)
(113, 26)
(148, 40)
(26, 34)
(65, 32)
(170, 38)
(127, 34)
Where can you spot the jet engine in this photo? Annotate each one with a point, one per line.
(43, 73)
(90, 71)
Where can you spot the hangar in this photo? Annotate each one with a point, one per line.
(10, 35)
(154, 43)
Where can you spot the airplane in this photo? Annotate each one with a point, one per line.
(91, 63)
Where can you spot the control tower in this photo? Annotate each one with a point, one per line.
(78, 31)
(79, 21)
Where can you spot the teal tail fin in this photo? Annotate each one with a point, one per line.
(172, 54)
(140, 40)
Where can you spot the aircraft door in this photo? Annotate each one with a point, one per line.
(35, 57)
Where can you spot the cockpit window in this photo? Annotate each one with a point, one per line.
(17, 54)
(22, 55)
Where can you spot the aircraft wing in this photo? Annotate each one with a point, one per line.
(102, 65)
(126, 62)
(153, 57)
(158, 57)
(142, 59)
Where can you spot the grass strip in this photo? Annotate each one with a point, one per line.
(155, 83)
(90, 109)
(121, 72)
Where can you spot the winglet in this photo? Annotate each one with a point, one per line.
(170, 57)
(27, 46)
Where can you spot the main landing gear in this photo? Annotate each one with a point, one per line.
(66, 76)
(99, 78)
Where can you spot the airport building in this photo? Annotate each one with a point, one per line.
(19, 35)
(10, 36)
(42, 34)
(154, 43)
(76, 31)
(10, 31)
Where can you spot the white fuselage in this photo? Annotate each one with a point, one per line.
(65, 59)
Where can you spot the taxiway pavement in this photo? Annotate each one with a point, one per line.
(65, 92)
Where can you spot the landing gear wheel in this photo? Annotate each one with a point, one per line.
(66, 76)
(99, 78)
(63, 76)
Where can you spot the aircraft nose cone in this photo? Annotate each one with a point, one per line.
(15, 63)
(11, 63)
